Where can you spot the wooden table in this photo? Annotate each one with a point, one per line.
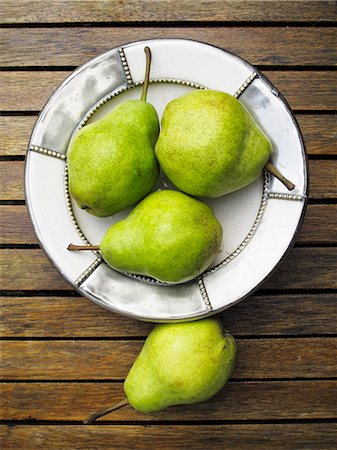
(63, 356)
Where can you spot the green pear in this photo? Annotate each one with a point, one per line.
(111, 162)
(179, 364)
(169, 236)
(210, 145)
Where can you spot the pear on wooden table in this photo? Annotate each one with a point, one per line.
(210, 145)
(111, 162)
(179, 364)
(169, 236)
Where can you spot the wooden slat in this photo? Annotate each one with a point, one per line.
(225, 437)
(29, 269)
(323, 180)
(73, 317)
(319, 85)
(12, 180)
(64, 317)
(14, 134)
(166, 10)
(16, 226)
(304, 268)
(271, 400)
(309, 90)
(319, 225)
(102, 359)
(73, 46)
(319, 132)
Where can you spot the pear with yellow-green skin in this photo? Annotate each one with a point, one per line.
(169, 236)
(111, 162)
(179, 364)
(210, 145)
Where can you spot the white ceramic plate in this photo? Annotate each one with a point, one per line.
(259, 222)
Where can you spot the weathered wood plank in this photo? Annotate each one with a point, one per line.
(16, 226)
(303, 84)
(323, 179)
(102, 359)
(225, 437)
(304, 268)
(12, 180)
(74, 46)
(29, 269)
(319, 226)
(263, 400)
(14, 134)
(73, 317)
(166, 11)
(309, 90)
(319, 171)
(319, 132)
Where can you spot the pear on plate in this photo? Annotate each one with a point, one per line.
(210, 145)
(179, 364)
(169, 236)
(111, 162)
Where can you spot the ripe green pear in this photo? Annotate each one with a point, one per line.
(169, 236)
(111, 162)
(179, 364)
(210, 145)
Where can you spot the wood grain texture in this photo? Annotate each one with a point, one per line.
(319, 226)
(263, 400)
(319, 171)
(304, 268)
(319, 85)
(28, 11)
(323, 179)
(303, 46)
(29, 269)
(309, 90)
(16, 226)
(14, 134)
(225, 437)
(12, 180)
(73, 317)
(102, 359)
(319, 133)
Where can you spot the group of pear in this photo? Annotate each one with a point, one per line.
(208, 146)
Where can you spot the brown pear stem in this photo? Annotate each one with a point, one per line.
(105, 411)
(272, 169)
(147, 73)
(74, 247)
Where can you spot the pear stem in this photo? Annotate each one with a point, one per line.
(74, 247)
(105, 411)
(147, 73)
(272, 169)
